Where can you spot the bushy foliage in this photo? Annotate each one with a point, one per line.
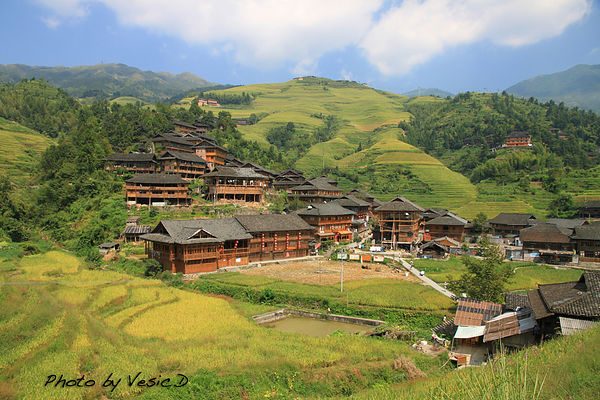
(485, 278)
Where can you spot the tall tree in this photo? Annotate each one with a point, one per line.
(486, 277)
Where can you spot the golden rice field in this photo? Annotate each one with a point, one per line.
(62, 318)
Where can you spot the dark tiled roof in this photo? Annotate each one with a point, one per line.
(399, 204)
(188, 231)
(447, 220)
(513, 300)
(273, 223)
(157, 179)
(232, 172)
(434, 243)
(537, 304)
(580, 298)
(515, 219)
(351, 201)
(475, 313)
(325, 209)
(137, 229)
(181, 123)
(321, 183)
(208, 144)
(182, 155)
(131, 157)
(545, 233)
(587, 232)
(259, 168)
(566, 223)
(173, 139)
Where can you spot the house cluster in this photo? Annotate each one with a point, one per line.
(525, 319)
(556, 241)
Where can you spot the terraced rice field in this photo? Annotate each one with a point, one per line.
(66, 319)
(19, 149)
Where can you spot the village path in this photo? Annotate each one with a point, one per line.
(426, 280)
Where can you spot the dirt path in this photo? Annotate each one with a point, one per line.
(326, 272)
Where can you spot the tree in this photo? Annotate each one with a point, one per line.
(562, 206)
(479, 222)
(485, 278)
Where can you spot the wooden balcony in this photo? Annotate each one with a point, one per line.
(235, 189)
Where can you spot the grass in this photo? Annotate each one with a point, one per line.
(564, 368)
(371, 292)
(101, 322)
(527, 275)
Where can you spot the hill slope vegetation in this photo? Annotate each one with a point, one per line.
(576, 87)
(108, 80)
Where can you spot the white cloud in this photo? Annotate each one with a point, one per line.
(346, 75)
(416, 31)
(269, 33)
(66, 8)
(51, 22)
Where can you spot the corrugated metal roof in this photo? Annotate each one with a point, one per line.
(137, 229)
(475, 313)
(466, 332)
(570, 326)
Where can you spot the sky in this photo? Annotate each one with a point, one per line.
(453, 45)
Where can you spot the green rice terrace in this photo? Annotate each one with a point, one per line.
(369, 150)
(20, 148)
(60, 317)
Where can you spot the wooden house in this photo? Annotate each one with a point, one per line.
(184, 127)
(206, 245)
(235, 184)
(587, 242)
(211, 152)
(208, 103)
(201, 245)
(518, 140)
(551, 242)
(332, 221)
(511, 223)
(188, 165)
(157, 190)
(277, 236)
(400, 222)
(288, 179)
(106, 248)
(232, 161)
(138, 163)
(591, 210)
(449, 225)
(360, 207)
(563, 307)
(261, 170)
(170, 141)
(317, 190)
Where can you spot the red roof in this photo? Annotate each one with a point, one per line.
(475, 313)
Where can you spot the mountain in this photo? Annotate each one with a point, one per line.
(578, 86)
(435, 151)
(108, 80)
(428, 92)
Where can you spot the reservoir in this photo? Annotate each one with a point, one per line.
(315, 327)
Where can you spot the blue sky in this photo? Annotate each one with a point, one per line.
(391, 45)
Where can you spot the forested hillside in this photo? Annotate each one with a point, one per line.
(576, 87)
(438, 152)
(107, 81)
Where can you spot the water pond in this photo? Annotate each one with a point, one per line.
(315, 327)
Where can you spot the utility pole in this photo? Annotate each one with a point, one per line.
(342, 278)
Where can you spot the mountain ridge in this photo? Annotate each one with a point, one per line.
(108, 80)
(578, 86)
